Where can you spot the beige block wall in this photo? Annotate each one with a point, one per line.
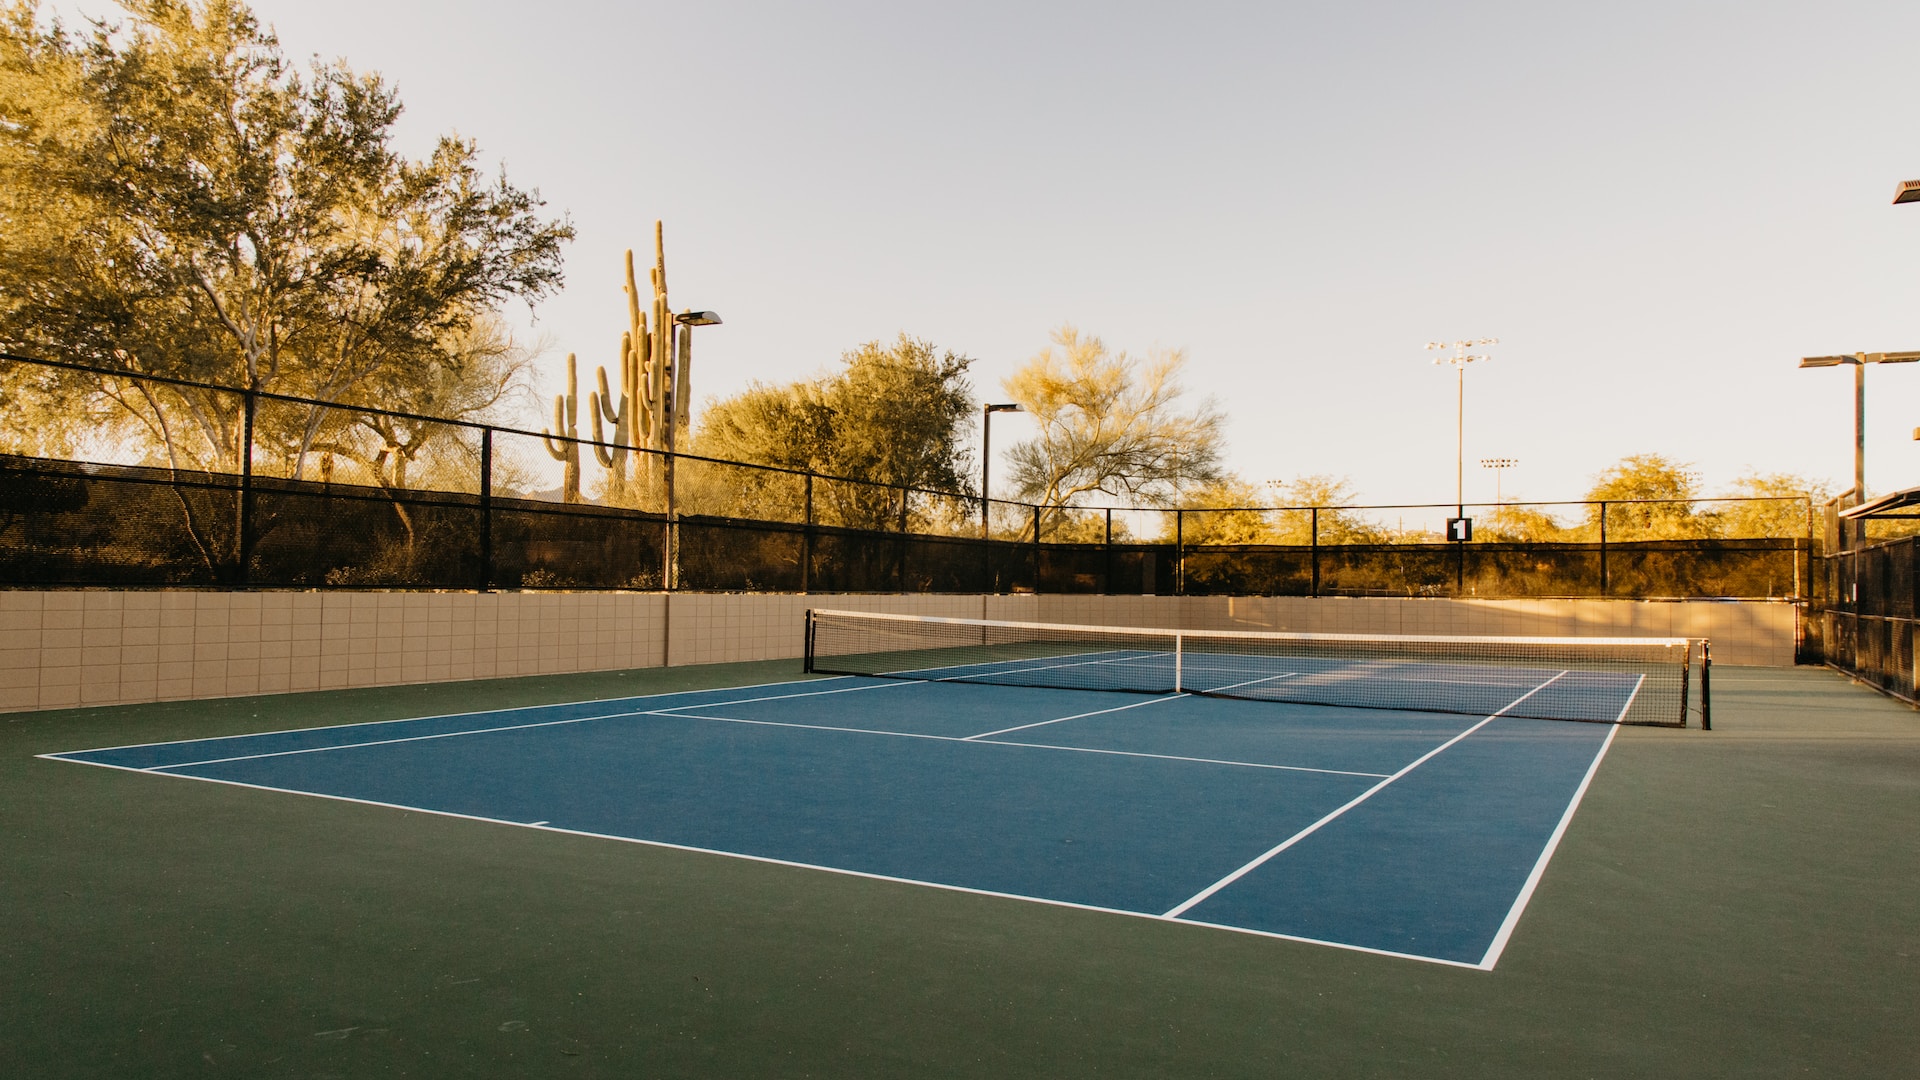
(60, 649)
(63, 649)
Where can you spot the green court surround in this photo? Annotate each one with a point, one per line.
(1741, 903)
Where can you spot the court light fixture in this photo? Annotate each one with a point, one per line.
(1908, 191)
(1859, 361)
(986, 457)
(698, 318)
(1460, 359)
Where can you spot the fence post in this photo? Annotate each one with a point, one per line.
(1314, 542)
(1036, 550)
(1605, 582)
(669, 548)
(806, 542)
(1179, 553)
(245, 570)
(486, 509)
(1106, 569)
(900, 547)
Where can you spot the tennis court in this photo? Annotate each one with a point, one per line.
(1419, 833)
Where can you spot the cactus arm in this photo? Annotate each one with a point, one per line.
(555, 447)
(600, 448)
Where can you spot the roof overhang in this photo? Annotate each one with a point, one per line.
(1886, 506)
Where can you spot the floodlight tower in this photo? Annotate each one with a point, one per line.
(1498, 465)
(1460, 359)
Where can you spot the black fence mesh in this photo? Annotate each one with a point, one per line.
(192, 486)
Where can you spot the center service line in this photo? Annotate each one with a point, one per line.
(1356, 801)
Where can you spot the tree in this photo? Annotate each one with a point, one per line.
(894, 416)
(1110, 423)
(1521, 524)
(175, 200)
(1784, 515)
(1332, 496)
(1648, 477)
(1223, 512)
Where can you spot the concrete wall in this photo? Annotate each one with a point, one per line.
(65, 648)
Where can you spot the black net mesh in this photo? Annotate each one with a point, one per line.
(1606, 680)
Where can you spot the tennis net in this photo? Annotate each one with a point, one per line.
(1606, 680)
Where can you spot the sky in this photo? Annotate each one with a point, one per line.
(1657, 208)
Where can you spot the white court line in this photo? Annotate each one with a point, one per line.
(791, 864)
(1249, 682)
(1075, 716)
(977, 740)
(1637, 684)
(678, 713)
(778, 697)
(1254, 864)
(380, 742)
(1512, 920)
(61, 755)
(1024, 670)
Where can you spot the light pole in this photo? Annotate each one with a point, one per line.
(1498, 465)
(1460, 359)
(986, 460)
(676, 415)
(1859, 361)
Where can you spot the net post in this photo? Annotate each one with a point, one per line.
(1179, 653)
(807, 664)
(1706, 694)
(1686, 678)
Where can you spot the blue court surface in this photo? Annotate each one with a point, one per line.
(1415, 834)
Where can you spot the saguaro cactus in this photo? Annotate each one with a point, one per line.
(648, 411)
(566, 428)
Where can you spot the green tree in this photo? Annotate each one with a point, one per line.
(1110, 424)
(1519, 523)
(1785, 514)
(176, 200)
(1224, 512)
(893, 416)
(1650, 497)
(1333, 496)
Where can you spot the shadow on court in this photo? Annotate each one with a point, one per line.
(1733, 903)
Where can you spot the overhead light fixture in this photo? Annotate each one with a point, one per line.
(1908, 191)
(698, 318)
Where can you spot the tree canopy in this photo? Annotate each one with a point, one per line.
(176, 199)
(897, 414)
(1110, 423)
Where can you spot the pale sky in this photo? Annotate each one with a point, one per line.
(1656, 207)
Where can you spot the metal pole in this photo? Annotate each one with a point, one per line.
(1860, 447)
(1314, 541)
(1460, 448)
(986, 463)
(1460, 481)
(1106, 570)
(1604, 583)
(246, 494)
(806, 544)
(486, 509)
(1036, 550)
(1179, 554)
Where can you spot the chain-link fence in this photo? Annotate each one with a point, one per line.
(137, 481)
